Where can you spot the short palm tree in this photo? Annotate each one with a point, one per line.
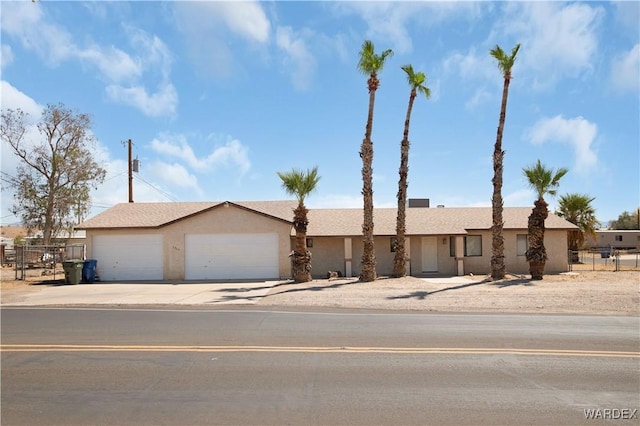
(544, 181)
(300, 184)
(505, 63)
(417, 81)
(577, 209)
(370, 64)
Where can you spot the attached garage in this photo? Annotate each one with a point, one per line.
(231, 256)
(128, 257)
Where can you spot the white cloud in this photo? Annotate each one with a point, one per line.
(389, 20)
(627, 13)
(6, 56)
(175, 175)
(625, 70)
(471, 65)
(480, 96)
(558, 40)
(25, 22)
(474, 67)
(13, 98)
(578, 132)
(123, 71)
(245, 18)
(151, 51)
(232, 154)
(161, 103)
(298, 58)
(114, 64)
(115, 188)
(216, 31)
(519, 198)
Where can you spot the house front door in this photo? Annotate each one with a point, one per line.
(429, 254)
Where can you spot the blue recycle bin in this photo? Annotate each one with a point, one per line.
(89, 270)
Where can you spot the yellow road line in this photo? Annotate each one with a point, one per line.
(314, 349)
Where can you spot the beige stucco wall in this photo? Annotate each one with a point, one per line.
(555, 242)
(328, 255)
(220, 220)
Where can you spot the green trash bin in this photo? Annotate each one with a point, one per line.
(73, 271)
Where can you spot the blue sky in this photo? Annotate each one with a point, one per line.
(217, 97)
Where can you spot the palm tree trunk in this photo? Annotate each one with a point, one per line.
(497, 244)
(301, 257)
(368, 272)
(574, 243)
(536, 253)
(400, 258)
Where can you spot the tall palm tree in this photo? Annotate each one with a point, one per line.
(544, 181)
(300, 184)
(369, 64)
(505, 63)
(577, 209)
(417, 81)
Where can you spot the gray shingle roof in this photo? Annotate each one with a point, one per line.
(423, 221)
(325, 222)
(155, 215)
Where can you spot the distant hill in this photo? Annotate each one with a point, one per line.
(12, 231)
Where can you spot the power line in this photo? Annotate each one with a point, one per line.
(115, 176)
(168, 196)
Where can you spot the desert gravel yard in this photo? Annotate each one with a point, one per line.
(591, 292)
(584, 292)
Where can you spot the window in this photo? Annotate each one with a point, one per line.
(522, 244)
(473, 245)
(393, 243)
(309, 242)
(618, 237)
(452, 246)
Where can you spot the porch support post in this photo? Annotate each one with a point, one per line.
(460, 254)
(348, 257)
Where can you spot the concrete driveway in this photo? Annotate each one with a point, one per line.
(147, 293)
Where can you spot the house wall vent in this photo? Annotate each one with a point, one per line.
(418, 202)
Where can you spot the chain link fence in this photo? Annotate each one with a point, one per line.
(604, 259)
(44, 261)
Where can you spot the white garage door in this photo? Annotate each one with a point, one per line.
(231, 256)
(128, 257)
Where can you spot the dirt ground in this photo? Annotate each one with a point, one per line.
(589, 292)
(578, 292)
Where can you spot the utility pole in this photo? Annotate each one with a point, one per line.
(130, 175)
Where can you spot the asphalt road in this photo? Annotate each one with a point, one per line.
(101, 366)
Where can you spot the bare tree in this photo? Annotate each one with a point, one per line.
(56, 172)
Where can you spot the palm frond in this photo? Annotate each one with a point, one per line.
(370, 62)
(299, 183)
(544, 180)
(505, 63)
(417, 80)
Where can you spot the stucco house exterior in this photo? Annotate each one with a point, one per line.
(253, 239)
(614, 238)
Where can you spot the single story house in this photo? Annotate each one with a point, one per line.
(253, 240)
(614, 238)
